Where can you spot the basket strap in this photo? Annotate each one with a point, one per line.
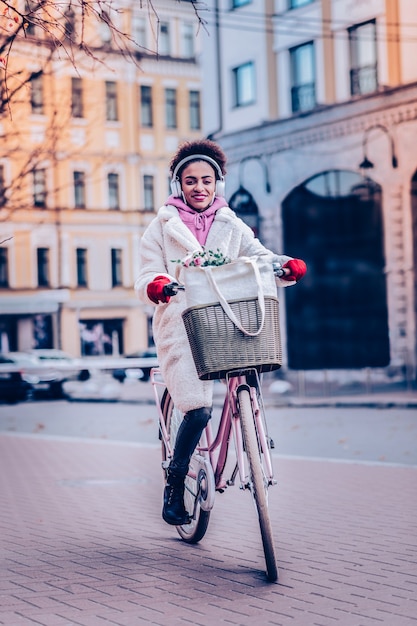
(226, 306)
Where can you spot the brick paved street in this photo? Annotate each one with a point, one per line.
(82, 542)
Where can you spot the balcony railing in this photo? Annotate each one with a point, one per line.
(303, 97)
(363, 80)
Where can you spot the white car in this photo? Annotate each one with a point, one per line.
(39, 376)
(46, 370)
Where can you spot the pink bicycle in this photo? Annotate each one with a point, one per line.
(242, 421)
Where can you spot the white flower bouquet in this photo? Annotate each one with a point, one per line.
(204, 258)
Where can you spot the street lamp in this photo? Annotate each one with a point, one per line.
(242, 201)
(366, 164)
(260, 158)
(245, 207)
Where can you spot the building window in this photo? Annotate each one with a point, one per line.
(30, 7)
(111, 101)
(43, 267)
(69, 25)
(139, 30)
(36, 93)
(3, 92)
(4, 267)
(105, 28)
(116, 267)
(171, 108)
(81, 267)
(164, 46)
(244, 84)
(148, 193)
(3, 198)
(188, 50)
(99, 337)
(146, 116)
(303, 85)
(195, 110)
(39, 188)
(113, 189)
(77, 109)
(363, 58)
(293, 4)
(79, 190)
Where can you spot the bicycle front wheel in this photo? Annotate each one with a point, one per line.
(194, 481)
(259, 484)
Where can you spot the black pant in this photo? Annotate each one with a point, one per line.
(188, 436)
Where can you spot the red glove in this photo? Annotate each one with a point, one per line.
(297, 268)
(155, 289)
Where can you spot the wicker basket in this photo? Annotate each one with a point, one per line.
(218, 346)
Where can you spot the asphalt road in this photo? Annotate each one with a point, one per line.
(351, 434)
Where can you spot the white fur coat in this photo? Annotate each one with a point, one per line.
(165, 240)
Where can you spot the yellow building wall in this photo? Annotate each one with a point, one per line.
(62, 144)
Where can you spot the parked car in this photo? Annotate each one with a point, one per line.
(13, 388)
(138, 373)
(57, 367)
(41, 375)
(70, 367)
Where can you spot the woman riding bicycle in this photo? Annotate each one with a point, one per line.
(195, 215)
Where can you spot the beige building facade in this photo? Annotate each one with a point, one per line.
(85, 144)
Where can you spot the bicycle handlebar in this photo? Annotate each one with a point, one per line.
(171, 289)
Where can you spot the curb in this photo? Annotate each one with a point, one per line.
(377, 403)
(289, 403)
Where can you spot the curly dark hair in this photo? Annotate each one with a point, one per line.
(200, 146)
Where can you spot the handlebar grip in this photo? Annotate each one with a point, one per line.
(278, 270)
(171, 289)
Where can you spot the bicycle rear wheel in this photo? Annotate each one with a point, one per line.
(195, 479)
(259, 484)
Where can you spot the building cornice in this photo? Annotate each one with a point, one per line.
(388, 108)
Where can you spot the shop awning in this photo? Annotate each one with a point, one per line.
(33, 304)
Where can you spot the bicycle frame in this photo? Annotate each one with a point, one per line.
(216, 446)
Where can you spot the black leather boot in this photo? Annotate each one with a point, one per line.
(188, 436)
(173, 511)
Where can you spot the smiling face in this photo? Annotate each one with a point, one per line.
(198, 183)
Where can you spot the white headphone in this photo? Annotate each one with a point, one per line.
(175, 182)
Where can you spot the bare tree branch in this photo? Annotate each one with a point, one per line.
(65, 27)
(67, 30)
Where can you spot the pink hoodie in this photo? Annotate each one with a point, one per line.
(198, 222)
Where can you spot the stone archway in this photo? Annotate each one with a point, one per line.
(337, 316)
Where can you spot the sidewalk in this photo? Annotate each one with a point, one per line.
(380, 399)
(82, 543)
